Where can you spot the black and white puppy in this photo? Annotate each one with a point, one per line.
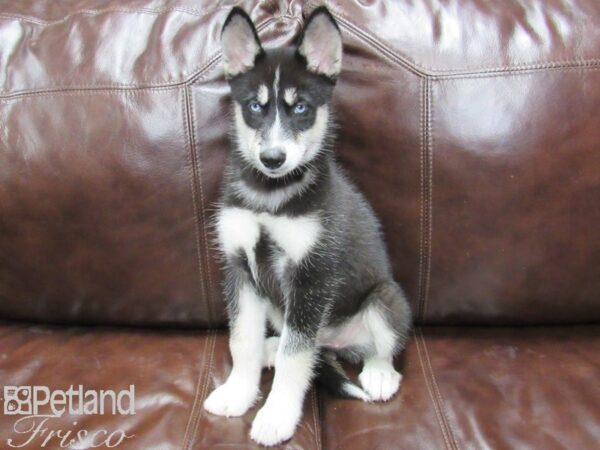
(304, 251)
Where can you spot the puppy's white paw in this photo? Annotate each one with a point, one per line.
(231, 399)
(271, 346)
(380, 380)
(274, 424)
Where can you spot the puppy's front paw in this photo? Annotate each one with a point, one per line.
(230, 399)
(380, 380)
(274, 424)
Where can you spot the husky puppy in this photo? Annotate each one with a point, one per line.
(304, 252)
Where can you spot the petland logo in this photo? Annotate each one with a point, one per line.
(38, 406)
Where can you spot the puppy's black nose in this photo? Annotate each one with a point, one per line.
(272, 158)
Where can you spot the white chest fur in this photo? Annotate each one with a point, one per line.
(239, 229)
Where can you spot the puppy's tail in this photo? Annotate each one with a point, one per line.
(331, 376)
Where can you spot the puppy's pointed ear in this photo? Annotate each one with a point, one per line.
(240, 43)
(321, 44)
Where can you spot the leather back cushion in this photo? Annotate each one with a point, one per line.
(472, 128)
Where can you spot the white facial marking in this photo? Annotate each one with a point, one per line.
(305, 146)
(312, 139)
(276, 136)
(276, 83)
(239, 228)
(299, 149)
(290, 96)
(278, 418)
(248, 139)
(262, 95)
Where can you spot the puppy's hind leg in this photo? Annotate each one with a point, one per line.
(387, 318)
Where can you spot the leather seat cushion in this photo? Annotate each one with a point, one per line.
(463, 388)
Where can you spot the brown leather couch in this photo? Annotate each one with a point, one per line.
(472, 126)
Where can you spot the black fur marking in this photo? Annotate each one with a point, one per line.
(311, 89)
(331, 376)
(240, 260)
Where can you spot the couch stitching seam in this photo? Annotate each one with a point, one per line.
(315, 407)
(553, 64)
(436, 407)
(321, 400)
(193, 181)
(208, 289)
(422, 189)
(207, 379)
(509, 73)
(438, 394)
(196, 395)
(593, 64)
(67, 92)
(426, 227)
(204, 391)
(429, 212)
(208, 67)
(98, 91)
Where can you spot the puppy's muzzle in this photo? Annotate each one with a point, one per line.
(272, 158)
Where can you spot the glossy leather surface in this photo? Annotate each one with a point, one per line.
(469, 388)
(474, 140)
(470, 125)
(172, 372)
(480, 388)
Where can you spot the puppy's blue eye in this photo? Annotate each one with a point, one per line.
(255, 107)
(300, 108)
